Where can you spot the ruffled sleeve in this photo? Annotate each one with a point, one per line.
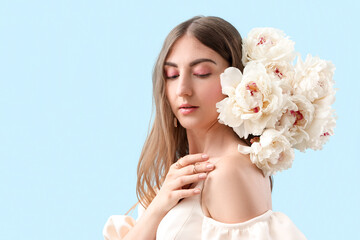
(117, 226)
(268, 226)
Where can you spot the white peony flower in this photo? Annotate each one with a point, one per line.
(313, 78)
(253, 104)
(272, 153)
(283, 72)
(296, 118)
(321, 128)
(267, 45)
(287, 107)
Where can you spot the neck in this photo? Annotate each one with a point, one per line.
(215, 141)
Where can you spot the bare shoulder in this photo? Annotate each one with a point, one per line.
(236, 190)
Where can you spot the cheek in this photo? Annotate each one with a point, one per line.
(210, 95)
(214, 93)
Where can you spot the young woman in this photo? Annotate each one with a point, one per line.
(192, 181)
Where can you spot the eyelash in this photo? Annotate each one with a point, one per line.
(203, 75)
(198, 75)
(172, 77)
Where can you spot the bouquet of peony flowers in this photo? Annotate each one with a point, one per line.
(284, 106)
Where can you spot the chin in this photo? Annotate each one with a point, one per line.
(196, 125)
(189, 124)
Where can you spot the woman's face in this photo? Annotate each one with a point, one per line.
(192, 75)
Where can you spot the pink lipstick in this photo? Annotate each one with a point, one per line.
(187, 108)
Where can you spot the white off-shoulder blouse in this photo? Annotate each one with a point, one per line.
(186, 221)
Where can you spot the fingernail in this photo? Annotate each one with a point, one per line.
(202, 175)
(209, 166)
(204, 156)
(197, 191)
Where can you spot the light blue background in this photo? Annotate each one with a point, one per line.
(75, 105)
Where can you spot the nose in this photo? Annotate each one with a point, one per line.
(184, 86)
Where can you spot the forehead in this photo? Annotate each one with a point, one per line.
(187, 48)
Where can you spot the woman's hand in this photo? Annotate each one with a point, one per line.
(187, 170)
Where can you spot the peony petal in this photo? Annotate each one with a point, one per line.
(244, 149)
(229, 80)
(226, 115)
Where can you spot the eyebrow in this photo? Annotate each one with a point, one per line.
(193, 63)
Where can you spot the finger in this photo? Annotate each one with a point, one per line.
(178, 165)
(199, 168)
(184, 193)
(188, 179)
(193, 158)
(203, 167)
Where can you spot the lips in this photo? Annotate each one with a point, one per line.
(187, 109)
(186, 106)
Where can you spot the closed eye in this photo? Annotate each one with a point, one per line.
(202, 75)
(197, 75)
(172, 77)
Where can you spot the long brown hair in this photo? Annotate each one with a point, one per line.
(165, 143)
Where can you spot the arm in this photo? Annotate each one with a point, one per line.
(147, 224)
(236, 190)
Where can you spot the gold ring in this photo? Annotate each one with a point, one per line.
(194, 170)
(178, 164)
